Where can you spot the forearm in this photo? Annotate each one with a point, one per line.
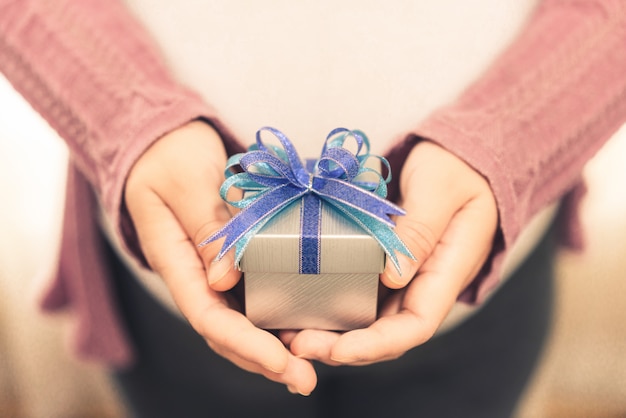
(545, 107)
(540, 112)
(95, 75)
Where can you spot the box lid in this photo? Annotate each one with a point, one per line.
(345, 248)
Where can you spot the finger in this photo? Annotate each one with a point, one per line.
(315, 345)
(455, 261)
(287, 336)
(387, 339)
(171, 254)
(420, 229)
(232, 336)
(429, 205)
(299, 376)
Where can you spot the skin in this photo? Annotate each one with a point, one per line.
(450, 225)
(172, 197)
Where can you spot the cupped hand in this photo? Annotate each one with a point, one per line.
(172, 197)
(450, 225)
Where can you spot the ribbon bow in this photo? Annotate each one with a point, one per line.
(277, 177)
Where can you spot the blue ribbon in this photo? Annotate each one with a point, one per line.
(278, 178)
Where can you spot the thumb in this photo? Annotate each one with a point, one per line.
(420, 229)
(430, 199)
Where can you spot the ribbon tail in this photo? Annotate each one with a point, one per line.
(264, 208)
(359, 200)
(242, 243)
(381, 232)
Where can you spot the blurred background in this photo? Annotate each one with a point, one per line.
(582, 374)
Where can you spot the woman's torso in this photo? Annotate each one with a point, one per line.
(310, 66)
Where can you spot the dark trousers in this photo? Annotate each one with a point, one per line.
(478, 369)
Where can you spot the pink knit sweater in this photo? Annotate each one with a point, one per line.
(528, 125)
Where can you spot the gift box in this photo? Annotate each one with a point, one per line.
(342, 296)
(311, 238)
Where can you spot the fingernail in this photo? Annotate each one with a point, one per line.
(292, 389)
(218, 270)
(392, 277)
(404, 276)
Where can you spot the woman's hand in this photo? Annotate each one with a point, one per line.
(449, 226)
(172, 194)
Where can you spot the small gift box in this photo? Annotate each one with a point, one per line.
(342, 296)
(311, 238)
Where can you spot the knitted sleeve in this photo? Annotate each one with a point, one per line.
(94, 74)
(539, 113)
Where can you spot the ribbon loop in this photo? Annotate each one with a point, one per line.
(279, 177)
(339, 163)
(267, 169)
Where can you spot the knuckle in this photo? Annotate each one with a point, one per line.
(419, 237)
(199, 326)
(428, 327)
(205, 230)
(216, 348)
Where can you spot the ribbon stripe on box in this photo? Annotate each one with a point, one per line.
(278, 178)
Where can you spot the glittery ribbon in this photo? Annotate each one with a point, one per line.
(276, 178)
